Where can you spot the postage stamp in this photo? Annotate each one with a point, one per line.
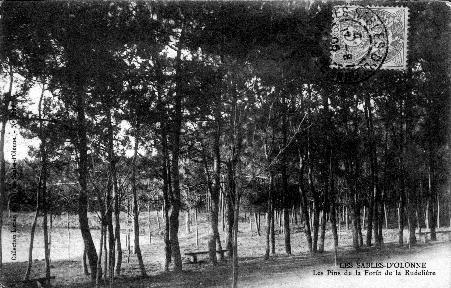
(369, 38)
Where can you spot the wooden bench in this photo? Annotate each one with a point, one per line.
(193, 255)
(423, 235)
(40, 282)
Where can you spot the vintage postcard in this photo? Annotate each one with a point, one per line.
(225, 144)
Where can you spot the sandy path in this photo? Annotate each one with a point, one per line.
(437, 259)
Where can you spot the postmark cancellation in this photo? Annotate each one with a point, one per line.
(369, 38)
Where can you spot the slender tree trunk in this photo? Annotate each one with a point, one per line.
(215, 241)
(117, 222)
(98, 274)
(359, 229)
(43, 187)
(175, 204)
(323, 230)
(33, 229)
(401, 218)
(127, 239)
(333, 221)
(187, 221)
(315, 206)
(230, 213)
(363, 216)
(137, 247)
(235, 238)
(149, 223)
(369, 230)
(166, 165)
(109, 196)
(166, 174)
(83, 195)
(223, 212)
(257, 222)
(438, 213)
(269, 216)
(375, 199)
(286, 225)
(386, 216)
(45, 212)
(355, 226)
(197, 227)
(431, 195)
(5, 117)
(175, 170)
(273, 232)
(411, 222)
(286, 212)
(158, 218)
(333, 193)
(304, 208)
(85, 265)
(105, 249)
(315, 226)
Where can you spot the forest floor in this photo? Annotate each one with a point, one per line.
(281, 270)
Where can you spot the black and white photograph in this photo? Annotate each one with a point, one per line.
(231, 144)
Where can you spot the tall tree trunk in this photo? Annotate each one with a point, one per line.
(135, 203)
(323, 229)
(401, 216)
(98, 274)
(273, 232)
(43, 187)
(230, 213)
(330, 191)
(315, 199)
(355, 223)
(375, 193)
(83, 195)
(431, 198)
(33, 229)
(315, 225)
(411, 219)
(166, 165)
(235, 236)
(286, 225)
(176, 201)
(333, 216)
(307, 230)
(304, 208)
(45, 212)
(359, 228)
(269, 216)
(166, 202)
(176, 135)
(353, 203)
(127, 239)
(6, 99)
(85, 266)
(215, 241)
(403, 180)
(117, 227)
(197, 227)
(286, 212)
(109, 198)
(166, 175)
(187, 221)
(257, 222)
